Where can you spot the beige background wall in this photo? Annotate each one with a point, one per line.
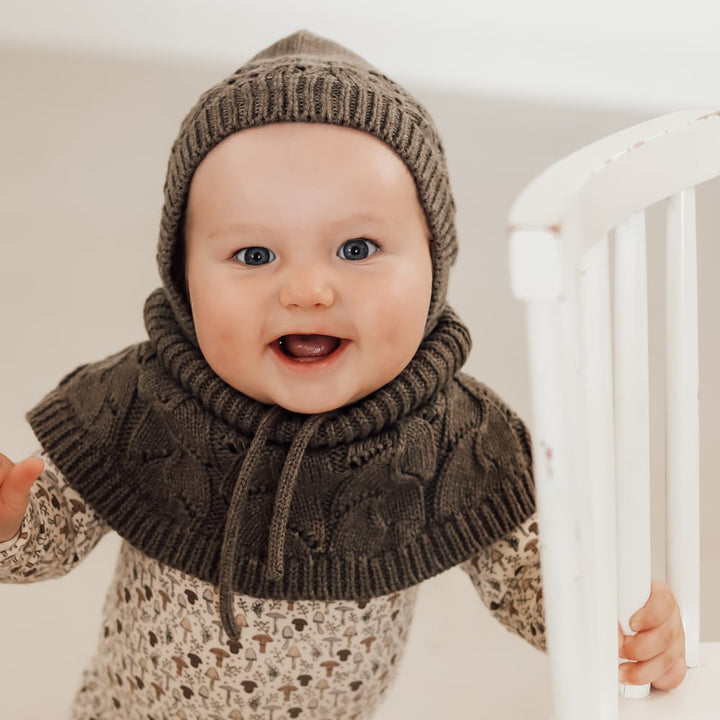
(83, 144)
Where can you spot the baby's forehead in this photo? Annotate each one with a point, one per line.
(311, 170)
(323, 143)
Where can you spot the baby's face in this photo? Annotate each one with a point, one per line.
(308, 264)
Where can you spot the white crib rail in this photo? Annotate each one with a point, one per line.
(682, 418)
(559, 266)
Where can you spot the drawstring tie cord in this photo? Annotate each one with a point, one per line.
(281, 511)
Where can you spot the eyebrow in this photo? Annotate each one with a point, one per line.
(361, 218)
(238, 228)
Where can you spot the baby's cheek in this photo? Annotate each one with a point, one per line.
(399, 336)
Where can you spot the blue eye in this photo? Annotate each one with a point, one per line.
(357, 249)
(254, 256)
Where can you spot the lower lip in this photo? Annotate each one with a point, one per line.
(310, 364)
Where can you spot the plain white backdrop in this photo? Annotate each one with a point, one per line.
(92, 94)
(626, 52)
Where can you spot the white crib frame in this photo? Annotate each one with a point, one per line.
(589, 429)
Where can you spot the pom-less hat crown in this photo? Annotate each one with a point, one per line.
(305, 78)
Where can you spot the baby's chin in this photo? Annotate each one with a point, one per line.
(315, 406)
(316, 403)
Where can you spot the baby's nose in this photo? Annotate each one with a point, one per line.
(307, 287)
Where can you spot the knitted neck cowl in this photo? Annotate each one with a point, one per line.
(346, 505)
(351, 504)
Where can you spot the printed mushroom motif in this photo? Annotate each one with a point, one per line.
(249, 686)
(165, 598)
(304, 679)
(293, 653)
(220, 655)
(194, 659)
(331, 643)
(367, 642)
(343, 610)
(287, 633)
(186, 691)
(180, 663)
(293, 712)
(229, 690)
(234, 646)
(209, 598)
(275, 617)
(299, 623)
(319, 619)
(159, 692)
(350, 633)
(271, 709)
(287, 691)
(191, 596)
(329, 666)
(186, 625)
(343, 654)
(213, 675)
(355, 685)
(251, 657)
(263, 639)
(236, 715)
(337, 694)
(241, 622)
(322, 685)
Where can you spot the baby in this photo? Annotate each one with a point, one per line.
(295, 448)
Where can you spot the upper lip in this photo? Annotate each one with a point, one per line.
(306, 333)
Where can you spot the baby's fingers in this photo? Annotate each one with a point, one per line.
(659, 649)
(660, 606)
(16, 481)
(665, 671)
(668, 636)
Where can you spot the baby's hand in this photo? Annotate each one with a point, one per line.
(15, 483)
(659, 645)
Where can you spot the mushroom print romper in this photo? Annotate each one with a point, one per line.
(163, 653)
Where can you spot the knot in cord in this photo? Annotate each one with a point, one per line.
(281, 510)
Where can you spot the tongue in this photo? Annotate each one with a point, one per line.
(309, 346)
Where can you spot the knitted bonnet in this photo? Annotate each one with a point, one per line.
(305, 78)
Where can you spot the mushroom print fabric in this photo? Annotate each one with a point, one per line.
(163, 653)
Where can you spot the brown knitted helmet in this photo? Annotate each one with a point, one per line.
(305, 78)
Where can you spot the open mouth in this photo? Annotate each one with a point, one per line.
(308, 348)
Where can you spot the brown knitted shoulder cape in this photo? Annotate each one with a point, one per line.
(385, 493)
